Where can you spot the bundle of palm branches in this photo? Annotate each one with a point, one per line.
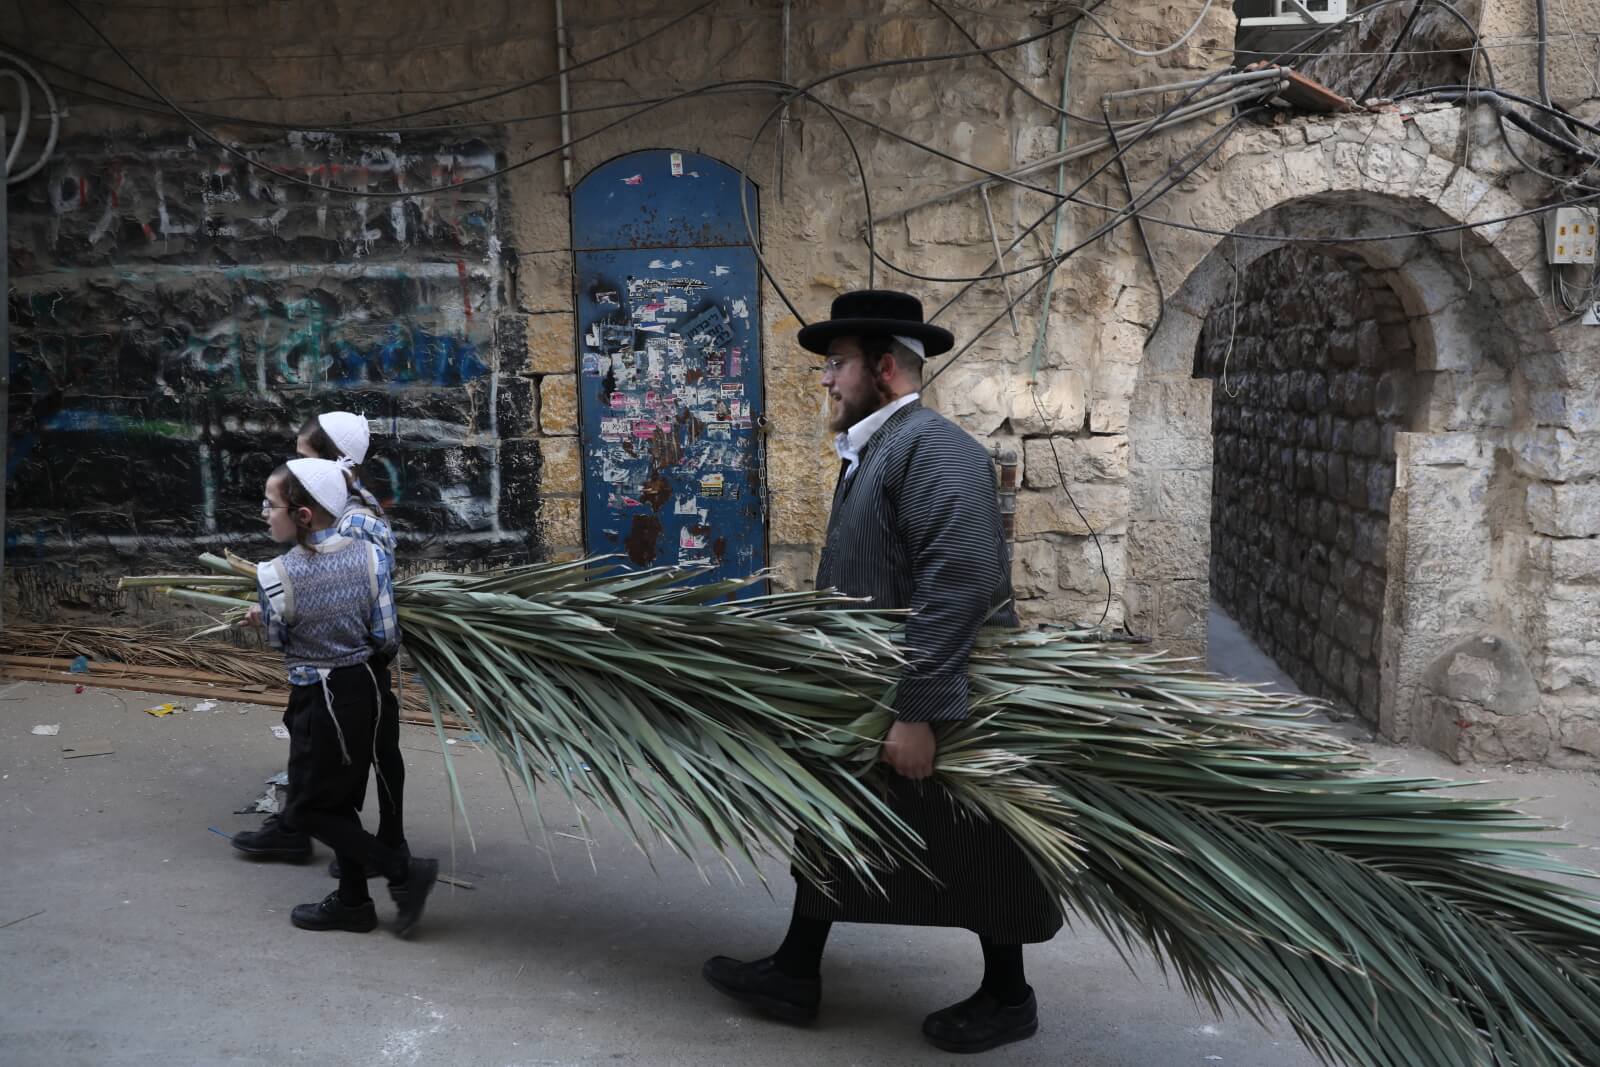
(1391, 920)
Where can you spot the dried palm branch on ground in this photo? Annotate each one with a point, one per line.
(1392, 921)
(170, 656)
(144, 647)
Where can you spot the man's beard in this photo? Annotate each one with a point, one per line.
(852, 409)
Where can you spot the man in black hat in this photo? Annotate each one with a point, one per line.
(915, 525)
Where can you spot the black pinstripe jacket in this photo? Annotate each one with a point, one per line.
(918, 526)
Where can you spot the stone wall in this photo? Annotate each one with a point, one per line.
(1312, 369)
(1102, 370)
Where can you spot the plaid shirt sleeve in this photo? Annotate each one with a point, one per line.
(385, 624)
(368, 528)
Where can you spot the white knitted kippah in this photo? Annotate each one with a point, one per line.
(324, 480)
(348, 432)
(915, 346)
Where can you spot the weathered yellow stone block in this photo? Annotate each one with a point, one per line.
(552, 347)
(562, 470)
(561, 521)
(558, 405)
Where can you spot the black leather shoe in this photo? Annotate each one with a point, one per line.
(760, 984)
(273, 842)
(410, 895)
(980, 1023)
(330, 913)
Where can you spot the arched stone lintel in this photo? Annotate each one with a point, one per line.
(1472, 312)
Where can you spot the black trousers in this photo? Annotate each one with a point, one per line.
(390, 765)
(331, 745)
(391, 768)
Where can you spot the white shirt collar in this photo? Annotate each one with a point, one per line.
(850, 443)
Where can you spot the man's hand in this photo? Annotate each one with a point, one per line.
(909, 749)
(253, 617)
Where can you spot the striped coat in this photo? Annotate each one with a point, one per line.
(918, 526)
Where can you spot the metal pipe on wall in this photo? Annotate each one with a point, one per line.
(5, 372)
(1199, 83)
(563, 60)
(783, 120)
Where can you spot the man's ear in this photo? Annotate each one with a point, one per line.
(888, 367)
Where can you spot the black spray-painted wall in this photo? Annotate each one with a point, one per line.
(175, 314)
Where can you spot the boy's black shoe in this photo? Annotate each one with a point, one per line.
(273, 842)
(410, 895)
(330, 913)
(981, 1022)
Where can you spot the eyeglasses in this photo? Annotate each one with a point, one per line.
(833, 364)
(268, 506)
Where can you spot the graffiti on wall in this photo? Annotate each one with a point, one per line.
(175, 315)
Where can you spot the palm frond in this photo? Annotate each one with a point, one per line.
(1393, 921)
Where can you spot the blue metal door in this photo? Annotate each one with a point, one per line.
(669, 351)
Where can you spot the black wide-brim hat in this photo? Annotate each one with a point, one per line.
(876, 311)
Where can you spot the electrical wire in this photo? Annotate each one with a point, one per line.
(1036, 353)
(1053, 212)
(155, 107)
(1488, 66)
(1136, 210)
(1059, 109)
(1347, 239)
(1522, 122)
(1061, 473)
(1088, 13)
(990, 274)
(790, 94)
(795, 92)
(226, 5)
(24, 113)
(1175, 176)
(200, 129)
(1542, 60)
(1518, 97)
(1399, 39)
(875, 256)
(807, 90)
(55, 122)
(1138, 227)
(362, 193)
(759, 86)
(1477, 51)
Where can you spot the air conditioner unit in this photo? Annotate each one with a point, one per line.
(1300, 13)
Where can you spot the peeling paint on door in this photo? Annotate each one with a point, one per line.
(670, 360)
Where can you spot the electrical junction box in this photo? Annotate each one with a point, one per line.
(1300, 13)
(1570, 234)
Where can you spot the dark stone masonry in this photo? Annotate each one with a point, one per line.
(1313, 369)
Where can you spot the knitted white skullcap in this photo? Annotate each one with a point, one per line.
(348, 432)
(324, 480)
(915, 346)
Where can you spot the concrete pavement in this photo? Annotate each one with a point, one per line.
(132, 934)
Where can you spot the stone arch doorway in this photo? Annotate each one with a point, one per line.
(1314, 376)
(1475, 337)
